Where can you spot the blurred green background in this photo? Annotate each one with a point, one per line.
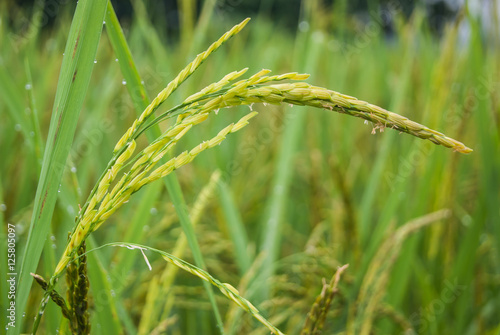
(313, 188)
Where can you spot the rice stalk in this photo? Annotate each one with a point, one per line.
(148, 315)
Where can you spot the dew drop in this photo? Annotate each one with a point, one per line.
(95, 61)
(153, 211)
(73, 169)
(27, 86)
(124, 82)
(20, 228)
(32, 133)
(103, 22)
(54, 246)
(304, 26)
(17, 127)
(113, 294)
(318, 37)
(24, 314)
(116, 59)
(142, 82)
(3, 207)
(145, 228)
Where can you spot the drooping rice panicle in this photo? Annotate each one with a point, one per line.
(181, 77)
(112, 201)
(195, 102)
(244, 92)
(305, 94)
(124, 143)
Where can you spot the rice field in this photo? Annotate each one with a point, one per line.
(213, 180)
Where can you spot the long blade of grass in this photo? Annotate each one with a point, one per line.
(135, 230)
(170, 273)
(178, 201)
(281, 183)
(33, 111)
(378, 170)
(202, 24)
(15, 107)
(487, 211)
(235, 227)
(73, 82)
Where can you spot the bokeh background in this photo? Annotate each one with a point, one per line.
(418, 224)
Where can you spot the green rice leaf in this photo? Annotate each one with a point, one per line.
(73, 82)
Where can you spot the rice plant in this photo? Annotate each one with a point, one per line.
(362, 301)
